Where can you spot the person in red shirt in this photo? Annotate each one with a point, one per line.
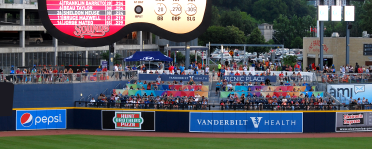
(237, 74)
(171, 69)
(55, 71)
(268, 96)
(238, 84)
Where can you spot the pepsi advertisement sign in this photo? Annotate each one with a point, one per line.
(215, 122)
(40, 119)
(153, 77)
(249, 78)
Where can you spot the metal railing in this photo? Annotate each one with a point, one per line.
(346, 78)
(52, 78)
(232, 107)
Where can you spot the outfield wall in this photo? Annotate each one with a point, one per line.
(188, 121)
(58, 95)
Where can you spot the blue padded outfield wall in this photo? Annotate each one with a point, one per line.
(181, 121)
(57, 95)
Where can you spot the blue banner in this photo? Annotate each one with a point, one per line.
(246, 122)
(249, 78)
(40, 119)
(152, 77)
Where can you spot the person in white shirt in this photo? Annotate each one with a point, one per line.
(245, 68)
(158, 79)
(92, 101)
(116, 69)
(207, 70)
(197, 96)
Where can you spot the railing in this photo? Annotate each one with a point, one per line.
(53, 78)
(346, 78)
(233, 106)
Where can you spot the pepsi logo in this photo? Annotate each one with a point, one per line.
(26, 120)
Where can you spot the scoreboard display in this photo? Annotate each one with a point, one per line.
(91, 23)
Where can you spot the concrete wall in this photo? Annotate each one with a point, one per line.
(57, 95)
(336, 47)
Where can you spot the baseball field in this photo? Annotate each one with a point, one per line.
(142, 140)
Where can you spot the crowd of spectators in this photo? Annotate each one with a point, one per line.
(155, 85)
(254, 102)
(150, 101)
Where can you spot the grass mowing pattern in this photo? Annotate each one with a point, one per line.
(111, 142)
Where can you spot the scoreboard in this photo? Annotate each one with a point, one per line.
(101, 22)
(87, 19)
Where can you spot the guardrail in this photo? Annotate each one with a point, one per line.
(234, 107)
(346, 78)
(52, 78)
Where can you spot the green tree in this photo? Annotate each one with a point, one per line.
(257, 38)
(219, 34)
(297, 43)
(288, 28)
(290, 60)
(268, 10)
(216, 17)
(366, 16)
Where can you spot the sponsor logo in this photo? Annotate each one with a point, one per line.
(128, 120)
(91, 30)
(256, 123)
(26, 120)
(148, 58)
(347, 92)
(359, 89)
(352, 119)
(41, 119)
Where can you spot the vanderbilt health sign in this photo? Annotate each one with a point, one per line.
(153, 77)
(246, 122)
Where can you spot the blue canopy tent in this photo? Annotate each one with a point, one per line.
(147, 56)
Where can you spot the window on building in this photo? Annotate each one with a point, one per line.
(71, 58)
(10, 59)
(39, 59)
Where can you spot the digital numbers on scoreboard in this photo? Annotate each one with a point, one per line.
(87, 19)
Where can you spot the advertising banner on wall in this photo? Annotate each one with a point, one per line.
(356, 91)
(249, 78)
(246, 122)
(353, 121)
(153, 77)
(40, 119)
(127, 120)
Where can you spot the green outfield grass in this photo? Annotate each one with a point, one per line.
(110, 142)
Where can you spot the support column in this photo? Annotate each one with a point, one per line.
(321, 44)
(150, 38)
(5, 17)
(22, 17)
(187, 55)
(347, 43)
(22, 38)
(23, 59)
(141, 40)
(86, 57)
(111, 56)
(55, 46)
(245, 59)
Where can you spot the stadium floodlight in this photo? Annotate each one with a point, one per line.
(323, 13)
